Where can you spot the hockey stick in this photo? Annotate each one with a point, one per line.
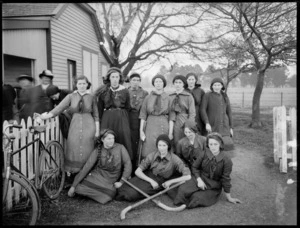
(157, 202)
(124, 211)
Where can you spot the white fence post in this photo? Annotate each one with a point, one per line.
(284, 142)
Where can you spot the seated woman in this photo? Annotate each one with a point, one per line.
(155, 172)
(211, 172)
(189, 147)
(99, 177)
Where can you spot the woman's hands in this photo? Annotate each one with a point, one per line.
(71, 191)
(154, 184)
(231, 132)
(142, 135)
(232, 200)
(201, 184)
(167, 184)
(208, 128)
(118, 184)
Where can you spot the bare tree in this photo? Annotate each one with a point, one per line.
(268, 31)
(149, 31)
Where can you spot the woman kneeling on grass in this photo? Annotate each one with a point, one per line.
(155, 172)
(211, 172)
(108, 161)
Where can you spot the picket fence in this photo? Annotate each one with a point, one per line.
(27, 159)
(285, 138)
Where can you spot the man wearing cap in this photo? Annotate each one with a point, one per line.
(137, 96)
(36, 99)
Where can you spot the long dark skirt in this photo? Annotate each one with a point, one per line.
(192, 196)
(118, 121)
(126, 192)
(135, 133)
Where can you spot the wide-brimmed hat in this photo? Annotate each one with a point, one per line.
(46, 73)
(25, 76)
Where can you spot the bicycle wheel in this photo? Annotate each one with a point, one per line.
(32, 187)
(20, 206)
(51, 168)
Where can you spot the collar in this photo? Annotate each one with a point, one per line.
(86, 92)
(121, 87)
(167, 157)
(163, 94)
(210, 155)
(130, 88)
(184, 92)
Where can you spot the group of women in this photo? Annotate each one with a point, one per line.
(172, 130)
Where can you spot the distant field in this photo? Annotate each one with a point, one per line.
(242, 97)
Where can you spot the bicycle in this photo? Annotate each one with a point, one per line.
(49, 176)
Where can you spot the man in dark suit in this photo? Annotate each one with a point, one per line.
(36, 99)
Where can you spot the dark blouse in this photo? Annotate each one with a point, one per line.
(198, 94)
(217, 169)
(189, 152)
(111, 99)
(109, 163)
(165, 167)
(137, 97)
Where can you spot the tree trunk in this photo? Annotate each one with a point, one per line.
(256, 100)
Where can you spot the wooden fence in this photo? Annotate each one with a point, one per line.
(285, 138)
(27, 159)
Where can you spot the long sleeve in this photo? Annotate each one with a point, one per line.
(143, 112)
(196, 166)
(95, 112)
(86, 168)
(203, 108)
(229, 113)
(127, 163)
(225, 179)
(191, 107)
(62, 106)
(100, 105)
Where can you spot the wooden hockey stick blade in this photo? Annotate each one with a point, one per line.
(157, 202)
(124, 211)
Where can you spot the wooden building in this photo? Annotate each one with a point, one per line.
(62, 37)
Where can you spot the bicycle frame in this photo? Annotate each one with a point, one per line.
(38, 183)
(41, 147)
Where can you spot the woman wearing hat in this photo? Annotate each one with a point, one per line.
(189, 147)
(155, 172)
(211, 173)
(198, 93)
(154, 116)
(216, 111)
(113, 102)
(100, 176)
(182, 106)
(84, 126)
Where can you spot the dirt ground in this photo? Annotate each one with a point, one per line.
(266, 198)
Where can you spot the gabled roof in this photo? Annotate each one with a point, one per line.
(10, 10)
(30, 10)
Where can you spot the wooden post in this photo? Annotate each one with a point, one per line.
(275, 135)
(282, 139)
(293, 132)
(243, 99)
